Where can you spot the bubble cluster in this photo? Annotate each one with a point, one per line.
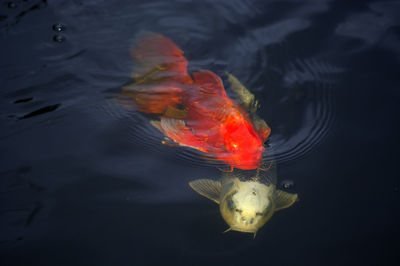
(58, 27)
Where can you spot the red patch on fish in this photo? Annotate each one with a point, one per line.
(194, 111)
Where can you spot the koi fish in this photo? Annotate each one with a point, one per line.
(194, 110)
(247, 198)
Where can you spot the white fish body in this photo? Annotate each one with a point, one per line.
(247, 198)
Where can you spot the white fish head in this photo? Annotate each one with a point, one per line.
(247, 205)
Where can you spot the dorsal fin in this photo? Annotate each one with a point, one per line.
(250, 104)
(284, 199)
(208, 188)
(247, 99)
(209, 83)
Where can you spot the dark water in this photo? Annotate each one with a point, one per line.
(85, 182)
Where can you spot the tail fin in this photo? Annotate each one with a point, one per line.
(156, 57)
(151, 98)
(160, 72)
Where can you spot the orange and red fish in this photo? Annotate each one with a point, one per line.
(194, 110)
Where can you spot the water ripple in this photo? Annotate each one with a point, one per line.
(296, 89)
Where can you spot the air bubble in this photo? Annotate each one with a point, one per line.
(287, 184)
(58, 27)
(58, 38)
(11, 5)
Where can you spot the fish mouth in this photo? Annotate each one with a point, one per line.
(244, 229)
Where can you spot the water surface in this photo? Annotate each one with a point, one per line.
(86, 182)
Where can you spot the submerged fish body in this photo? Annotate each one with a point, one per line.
(247, 198)
(194, 110)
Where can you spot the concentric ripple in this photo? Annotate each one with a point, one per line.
(295, 86)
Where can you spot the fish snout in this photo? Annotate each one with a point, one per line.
(246, 224)
(247, 220)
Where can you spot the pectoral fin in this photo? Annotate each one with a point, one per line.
(156, 124)
(247, 98)
(208, 188)
(284, 200)
(177, 130)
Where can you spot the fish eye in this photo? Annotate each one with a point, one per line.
(237, 210)
(231, 205)
(229, 202)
